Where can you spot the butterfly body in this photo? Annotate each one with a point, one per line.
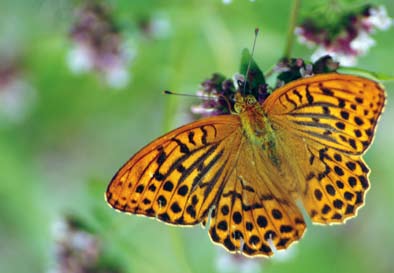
(256, 126)
(245, 171)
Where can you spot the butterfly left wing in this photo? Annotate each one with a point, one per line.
(327, 122)
(177, 177)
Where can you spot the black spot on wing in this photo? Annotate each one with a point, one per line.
(295, 92)
(291, 101)
(183, 147)
(327, 91)
(190, 137)
(204, 135)
(309, 97)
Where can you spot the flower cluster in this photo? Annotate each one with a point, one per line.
(98, 46)
(218, 92)
(348, 37)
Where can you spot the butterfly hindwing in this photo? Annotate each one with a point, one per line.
(253, 214)
(335, 186)
(176, 178)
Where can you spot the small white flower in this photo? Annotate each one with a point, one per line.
(299, 32)
(79, 59)
(117, 77)
(16, 100)
(379, 18)
(81, 240)
(362, 43)
(59, 230)
(161, 25)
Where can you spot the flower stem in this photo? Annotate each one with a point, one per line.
(290, 32)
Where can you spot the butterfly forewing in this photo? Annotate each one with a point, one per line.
(327, 122)
(340, 111)
(177, 177)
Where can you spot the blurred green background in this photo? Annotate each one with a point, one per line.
(76, 131)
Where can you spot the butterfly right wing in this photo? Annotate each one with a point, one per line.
(327, 122)
(177, 177)
(335, 110)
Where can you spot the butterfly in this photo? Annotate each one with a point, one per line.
(244, 173)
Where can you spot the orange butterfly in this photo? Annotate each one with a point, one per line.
(245, 171)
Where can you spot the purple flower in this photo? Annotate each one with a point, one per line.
(346, 39)
(75, 250)
(216, 93)
(99, 46)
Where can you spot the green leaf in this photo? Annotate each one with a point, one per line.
(255, 77)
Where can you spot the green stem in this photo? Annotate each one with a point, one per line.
(290, 32)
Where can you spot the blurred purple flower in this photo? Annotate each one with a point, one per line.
(17, 96)
(99, 46)
(77, 250)
(347, 41)
(213, 92)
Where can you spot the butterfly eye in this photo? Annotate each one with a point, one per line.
(250, 100)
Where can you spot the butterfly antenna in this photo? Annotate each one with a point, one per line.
(256, 33)
(167, 92)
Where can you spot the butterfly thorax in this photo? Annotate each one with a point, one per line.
(256, 125)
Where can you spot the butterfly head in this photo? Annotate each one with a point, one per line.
(243, 103)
